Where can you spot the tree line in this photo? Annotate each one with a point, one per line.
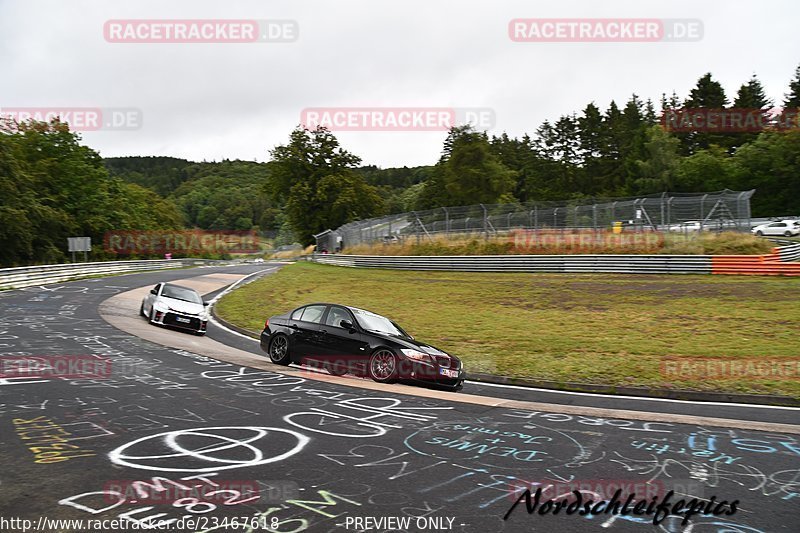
(53, 187)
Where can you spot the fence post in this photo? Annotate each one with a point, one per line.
(485, 225)
(446, 223)
(669, 211)
(702, 214)
(663, 194)
(594, 217)
(739, 213)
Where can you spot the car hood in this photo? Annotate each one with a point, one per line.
(413, 344)
(181, 306)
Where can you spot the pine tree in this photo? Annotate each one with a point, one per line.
(790, 118)
(590, 134)
(792, 98)
(707, 94)
(750, 98)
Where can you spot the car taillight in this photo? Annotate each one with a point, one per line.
(266, 323)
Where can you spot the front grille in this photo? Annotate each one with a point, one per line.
(443, 362)
(171, 319)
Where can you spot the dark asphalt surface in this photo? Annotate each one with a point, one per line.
(327, 457)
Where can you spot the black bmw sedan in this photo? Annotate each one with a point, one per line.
(343, 339)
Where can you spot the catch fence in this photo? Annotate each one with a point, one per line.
(666, 212)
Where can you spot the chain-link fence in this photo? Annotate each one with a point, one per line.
(666, 212)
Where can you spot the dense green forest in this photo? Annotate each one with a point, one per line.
(53, 187)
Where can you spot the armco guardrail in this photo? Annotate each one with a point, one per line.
(20, 277)
(624, 264)
(774, 264)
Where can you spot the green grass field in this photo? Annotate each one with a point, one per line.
(592, 328)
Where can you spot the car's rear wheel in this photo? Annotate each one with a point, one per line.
(382, 366)
(760, 233)
(787, 234)
(279, 350)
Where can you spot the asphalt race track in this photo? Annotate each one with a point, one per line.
(199, 431)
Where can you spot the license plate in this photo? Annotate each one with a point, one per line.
(182, 319)
(448, 373)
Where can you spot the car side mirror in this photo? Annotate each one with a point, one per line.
(205, 304)
(346, 324)
(153, 291)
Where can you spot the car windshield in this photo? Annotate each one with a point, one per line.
(378, 323)
(181, 293)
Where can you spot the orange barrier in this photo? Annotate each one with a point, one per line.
(754, 265)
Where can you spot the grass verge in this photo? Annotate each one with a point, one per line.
(725, 243)
(594, 328)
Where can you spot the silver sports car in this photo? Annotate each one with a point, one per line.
(175, 306)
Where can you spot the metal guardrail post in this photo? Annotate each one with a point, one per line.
(485, 226)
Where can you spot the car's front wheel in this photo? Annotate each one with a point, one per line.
(787, 234)
(760, 233)
(279, 350)
(382, 366)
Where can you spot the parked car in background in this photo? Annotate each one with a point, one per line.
(684, 227)
(173, 305)
(785, 228)
(343, 339)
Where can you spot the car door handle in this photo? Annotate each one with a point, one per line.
(293, 326)
(323, 332)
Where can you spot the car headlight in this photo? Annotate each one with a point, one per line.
(416, 355)
(158, 306)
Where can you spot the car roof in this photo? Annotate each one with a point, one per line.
(165, 284)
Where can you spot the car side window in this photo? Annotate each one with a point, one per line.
(157, 288)
(777, 225)
(336, 315)
(298, 313)
(313, 313)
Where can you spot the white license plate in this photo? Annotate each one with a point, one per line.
(448, 373)
(184, 320)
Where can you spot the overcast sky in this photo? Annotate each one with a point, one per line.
(213, 101)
